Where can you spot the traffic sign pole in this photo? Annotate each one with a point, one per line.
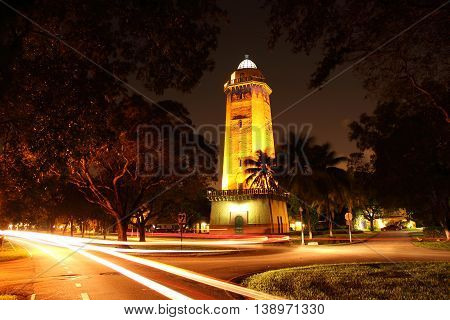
(301, 221)
(181, 223)
(350, 230)
(181, 237)
(348, 218)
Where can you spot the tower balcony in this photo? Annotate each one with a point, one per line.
(244, 79)
(246, 194)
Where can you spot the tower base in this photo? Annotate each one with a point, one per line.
(242, 212)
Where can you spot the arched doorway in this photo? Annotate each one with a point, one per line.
(239, 225)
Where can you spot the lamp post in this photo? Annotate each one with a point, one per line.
(300, 210)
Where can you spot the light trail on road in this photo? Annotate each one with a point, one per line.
(169, 251)
(172, 242)
(80, 241)
(192, 275)
(158, 242)
(163, 290)
(75, 244)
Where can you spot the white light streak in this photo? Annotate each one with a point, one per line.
(71, 243)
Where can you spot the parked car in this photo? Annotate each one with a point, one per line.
(392, 227)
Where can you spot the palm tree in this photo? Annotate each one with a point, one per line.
(261, 175)
(313, 175)
(261, 172)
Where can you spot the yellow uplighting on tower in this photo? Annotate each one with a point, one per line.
(248, 122)
(237, 208)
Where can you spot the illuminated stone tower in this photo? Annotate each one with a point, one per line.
(248, 122)
(236, 208)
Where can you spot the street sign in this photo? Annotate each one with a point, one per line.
(348, 216)
(182, 218)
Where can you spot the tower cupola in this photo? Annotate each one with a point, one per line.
(247, 63)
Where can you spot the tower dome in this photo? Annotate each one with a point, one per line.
(247, 64)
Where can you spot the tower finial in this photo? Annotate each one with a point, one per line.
(246, 56)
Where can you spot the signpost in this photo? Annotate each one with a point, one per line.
(348, 218)
(301, 221)
(181, 223)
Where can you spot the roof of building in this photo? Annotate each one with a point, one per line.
(247, 64)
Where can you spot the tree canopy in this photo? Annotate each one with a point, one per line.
(67, 111)
(399, 47)
(411, 152)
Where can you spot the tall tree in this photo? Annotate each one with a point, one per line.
(74, 208)
(399, 47)
(410, 143)
(59, 76)
(64, 74)
(119, 177)
(362, 191)
(314, 176)
(261, 172)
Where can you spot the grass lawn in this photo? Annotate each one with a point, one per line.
(428, 243)
(12, 252)
(406, 280)
(442, 245)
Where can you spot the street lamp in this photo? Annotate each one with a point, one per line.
(300, 210)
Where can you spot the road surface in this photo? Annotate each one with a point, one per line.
(389, 246)
(53, 272)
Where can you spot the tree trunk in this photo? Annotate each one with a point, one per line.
(330, 219)
(51, 222)
(371, 223)
(330, 226)
(445, 226)
(82, 229)
(141, 227)
(71, 226)
(309, 223)
(104, 229)
(122, 228)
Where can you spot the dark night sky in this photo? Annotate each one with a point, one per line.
(329, 110)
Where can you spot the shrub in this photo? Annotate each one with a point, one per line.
(433, 232)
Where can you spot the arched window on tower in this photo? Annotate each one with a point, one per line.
(240, 124)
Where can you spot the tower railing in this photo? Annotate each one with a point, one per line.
(245, 79)
(244, 194)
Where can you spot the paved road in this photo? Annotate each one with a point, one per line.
(59, 273)
(77, 276)
(390, 246)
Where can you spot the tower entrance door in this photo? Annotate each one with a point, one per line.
(239, 225)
